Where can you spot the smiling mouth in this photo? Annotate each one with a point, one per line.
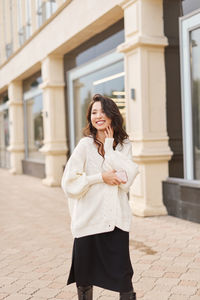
(100, 122)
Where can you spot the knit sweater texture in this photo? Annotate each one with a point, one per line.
(97, 207)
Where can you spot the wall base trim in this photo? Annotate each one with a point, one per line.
(36, 169)
(182, 199)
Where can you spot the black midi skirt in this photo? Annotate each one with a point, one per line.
(102, 260)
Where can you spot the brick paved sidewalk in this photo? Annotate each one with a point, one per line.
(36, 245)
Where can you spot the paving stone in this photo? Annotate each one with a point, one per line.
(194, 275)
(6, 280)
(47, 293)
(153, 273)
(18, 297)
(184, 290)
(35, 298)
(39, 283)
(141, 267)
(11, 288)
(178, 297)
(157, 268)
(172, 275)
(28, 290)
(157, 295)
(162, 288)
(195, 266)
(140, 294)
(66, 295)
(188, 283)
(145, 284)
(168, 281)
(176, 268)
(56, 285)
(188, 254)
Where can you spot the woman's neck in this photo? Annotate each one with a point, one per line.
(101, 136)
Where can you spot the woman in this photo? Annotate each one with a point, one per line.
(96, 180)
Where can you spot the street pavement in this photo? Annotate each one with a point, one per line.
(36, 246)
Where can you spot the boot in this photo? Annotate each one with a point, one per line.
(128, 296)
(85, 292)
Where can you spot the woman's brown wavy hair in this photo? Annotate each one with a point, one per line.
(112, 112)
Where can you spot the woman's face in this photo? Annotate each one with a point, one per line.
(98, 118)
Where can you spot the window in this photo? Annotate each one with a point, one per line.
(104, 75)
(45, 9)
(8, 27)
(21, 28)
(195, 82)
(4, 132)
(28, 18)
(190, 79)
(33, 107)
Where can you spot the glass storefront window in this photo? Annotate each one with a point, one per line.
(4, 133)
(190, 85)
(108, 81)
(195, 81)
(104, 76)
(33, 106)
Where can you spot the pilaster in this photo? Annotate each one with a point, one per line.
(54, 148)
(146, 113)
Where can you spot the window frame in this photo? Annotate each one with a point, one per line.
(26, 97)
(85, 69)
(187, 24)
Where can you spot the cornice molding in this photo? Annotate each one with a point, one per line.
(143, 41)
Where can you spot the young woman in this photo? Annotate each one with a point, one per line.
(96, 180)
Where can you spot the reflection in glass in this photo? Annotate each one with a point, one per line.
(108, 81)
(34, 133)
(4, 139)
(195, 74)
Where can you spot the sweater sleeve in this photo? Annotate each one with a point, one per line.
(121, 160)
(75, 182)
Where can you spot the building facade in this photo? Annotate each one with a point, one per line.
(54, 55)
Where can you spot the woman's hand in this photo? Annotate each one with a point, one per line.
(111, 178)
(109, 132)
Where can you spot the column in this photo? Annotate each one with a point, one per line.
(146, 102)
(16, 148)
(54, 148)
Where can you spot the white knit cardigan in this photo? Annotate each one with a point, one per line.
(95, 206)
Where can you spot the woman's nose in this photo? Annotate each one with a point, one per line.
(99, 114)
